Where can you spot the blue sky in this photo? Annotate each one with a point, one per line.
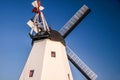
(96, 40)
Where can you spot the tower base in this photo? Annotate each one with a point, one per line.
(47, 61)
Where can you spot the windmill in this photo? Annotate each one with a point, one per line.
(46, 40)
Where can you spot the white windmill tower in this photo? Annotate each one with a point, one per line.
(48, 59)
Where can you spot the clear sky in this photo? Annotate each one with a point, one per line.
(96, 40)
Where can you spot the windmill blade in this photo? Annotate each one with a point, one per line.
(36, 4)
(74, 21)
(80, 65)
(32, 26)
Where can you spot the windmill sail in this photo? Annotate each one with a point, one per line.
(65, 30)
(80, 65)
(74, 21)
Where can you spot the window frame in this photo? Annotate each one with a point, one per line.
(31, 73)
(53, 54)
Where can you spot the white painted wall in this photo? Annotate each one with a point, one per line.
(46, 67)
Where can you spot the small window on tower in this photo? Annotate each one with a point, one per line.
(31, 73)
(68, 76)
(53, 54)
